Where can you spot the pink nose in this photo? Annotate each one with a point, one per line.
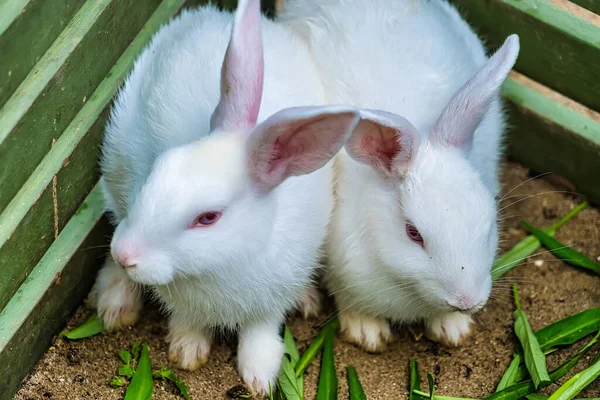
(125, 260)
(463, 302)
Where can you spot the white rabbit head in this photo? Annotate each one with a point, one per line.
(211, 205)
(434, 220)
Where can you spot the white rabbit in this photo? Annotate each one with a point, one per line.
(206, 215)
(414, 232)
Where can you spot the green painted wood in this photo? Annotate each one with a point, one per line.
(548, 136)
(558, 49)
(27, 29)
(61, 83)
(36, 230)
(592, 5)
(27, 224)
(51, 293)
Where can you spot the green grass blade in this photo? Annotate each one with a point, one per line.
(290, 384)
(431, 387)
(527, 247)
(420, 394)
(540, 397)
(562, 333)
(328, 382)
(290, 345)
(314, 348)
(91, 327)
(566, 367)
(512, 375)
(415, 380)
(569, 330)
(535, 360)
(354, 386)
(141, 385)
(565, 253)
(577, 383)
(523, 389)
(513, 392)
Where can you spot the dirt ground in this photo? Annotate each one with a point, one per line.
(550, 290)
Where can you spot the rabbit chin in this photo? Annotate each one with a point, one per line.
(152, 274)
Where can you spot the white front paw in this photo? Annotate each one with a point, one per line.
(187, 348)
(450, 329)
(310, 303)
(118, 299)
(260, 353)
(369, 332)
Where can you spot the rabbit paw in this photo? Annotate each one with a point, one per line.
(260, 352)
(449, 329)
(118, 299)
(310, 303)
(368, 332)
(188, 349)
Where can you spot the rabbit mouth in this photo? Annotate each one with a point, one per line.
(150, 276)
(470, 311)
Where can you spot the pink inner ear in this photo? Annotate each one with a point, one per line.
(381, 143)
(242, 71)
(289, 145)
(384, 141)
(295, 142)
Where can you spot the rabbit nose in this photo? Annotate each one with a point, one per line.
(126, 263)
(463, 302)
(125, 260)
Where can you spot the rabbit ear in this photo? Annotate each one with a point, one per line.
(465, 111)
(385, 141)
(242, 71)
(297, 141)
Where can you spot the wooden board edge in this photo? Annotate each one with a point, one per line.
(591, 5)
(53, 261)
(35, 82)
(572, 24)
(10, 11)
(83, 121)
(26, 36)
(550, 133)
(563, 41)
(553, 106)
(51, 293)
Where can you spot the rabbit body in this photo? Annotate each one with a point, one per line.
(166, 160)
(409, 58)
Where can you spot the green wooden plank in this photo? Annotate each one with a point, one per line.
(51, 293)
(61, 83)
(550, 136)
(53, 208)
(592, 5)
(27, 29)
(558, 49)
(27, 225)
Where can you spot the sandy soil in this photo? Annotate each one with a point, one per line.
(549, 289)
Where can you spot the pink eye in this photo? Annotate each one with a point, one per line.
(206, 219)
(413, 234)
